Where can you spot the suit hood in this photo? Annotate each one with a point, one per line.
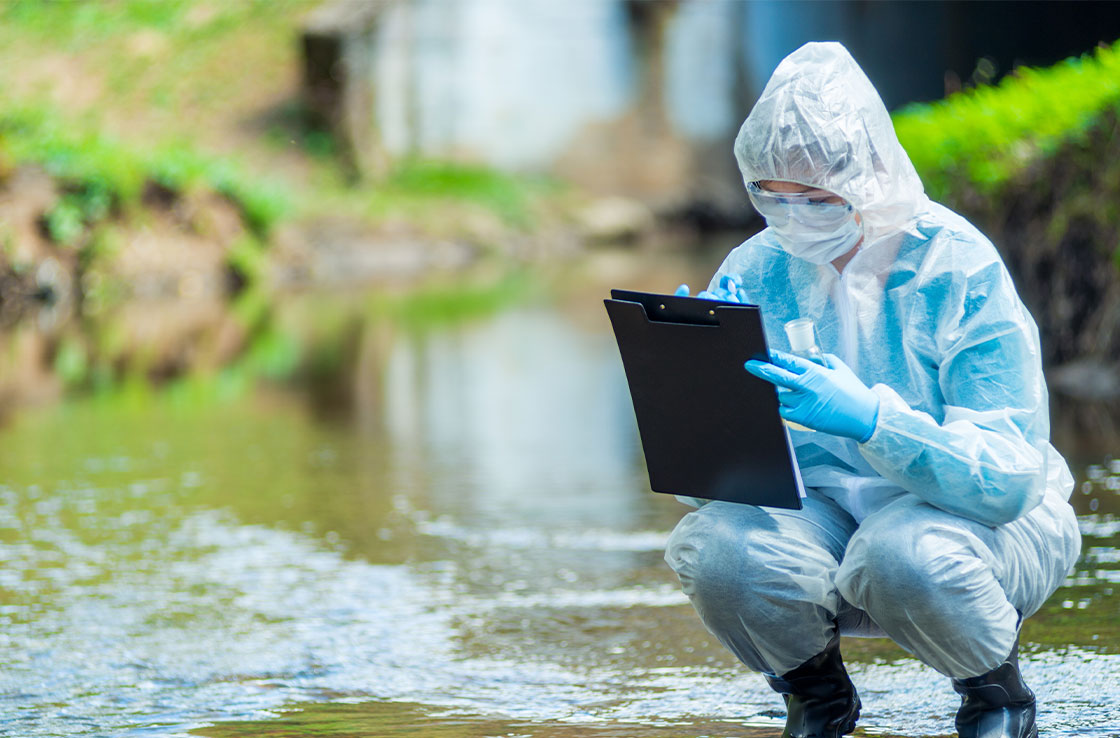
(820, 122)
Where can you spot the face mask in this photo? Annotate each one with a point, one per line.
(815, 231)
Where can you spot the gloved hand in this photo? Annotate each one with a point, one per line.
(830, 399)
(729, 290)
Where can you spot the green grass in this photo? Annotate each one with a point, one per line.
(71, 22)
(438, 304)
(173, 78)
(506, 195)
(177, 63)
(100, 174)
(118, 99)
(211, 76)
(988, 134)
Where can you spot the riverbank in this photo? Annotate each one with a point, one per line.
(127, 261)
(156, 209)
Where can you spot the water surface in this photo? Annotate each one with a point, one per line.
(450, 535)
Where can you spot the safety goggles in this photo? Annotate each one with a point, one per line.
(810, 209)
(759, 195)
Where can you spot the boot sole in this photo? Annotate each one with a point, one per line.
(850, 725)
(1032, 733)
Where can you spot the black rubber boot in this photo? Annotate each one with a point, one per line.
(997, 704)
(821, 701)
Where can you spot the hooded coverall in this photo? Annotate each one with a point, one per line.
(952, 518)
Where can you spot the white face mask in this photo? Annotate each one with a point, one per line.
(815, 231)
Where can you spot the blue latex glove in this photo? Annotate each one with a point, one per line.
(729, 290)
(830, 399)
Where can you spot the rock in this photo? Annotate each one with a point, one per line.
(615, 220)
(26, 195)
(337, 252)
(161, 261)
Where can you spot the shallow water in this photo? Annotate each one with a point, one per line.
(464, 545)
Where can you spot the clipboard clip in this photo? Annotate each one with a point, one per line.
(677, 309)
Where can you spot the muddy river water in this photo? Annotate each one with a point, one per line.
(460, 544)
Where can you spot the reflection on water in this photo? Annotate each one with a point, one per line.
(471, 550)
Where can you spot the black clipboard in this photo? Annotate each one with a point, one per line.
(709, 428)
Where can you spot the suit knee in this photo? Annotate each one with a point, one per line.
(702, 551)
(909, 568)
(745, 563)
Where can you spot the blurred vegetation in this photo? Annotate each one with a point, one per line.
(415, 179)
(166, 67)
(179, 77)
(101, 175)
(1034, 162)
(986, 135)
(309, 341)
(74, 25)
(140, 112)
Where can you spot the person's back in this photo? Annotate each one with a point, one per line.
(938, 510)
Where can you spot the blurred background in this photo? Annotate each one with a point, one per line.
(311, 421)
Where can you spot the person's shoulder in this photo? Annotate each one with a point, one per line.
(957, 262)
(760, 249)
(950, 236)
(942, 247)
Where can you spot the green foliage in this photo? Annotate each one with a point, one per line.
(506, 195)
(65, 222)
(987, 134)
(171, 67)
(72, 24)
(70, 361)
(291, 124)
(5, 159)
(247, 260)
(273, 355)
(85, 205)
(179, 167)
(438, 304)
(100, 173)
(34, 135)
(183, 75)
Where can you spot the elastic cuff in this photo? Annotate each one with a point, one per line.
(874, 423)
(888, 399)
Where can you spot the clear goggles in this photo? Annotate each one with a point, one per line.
(764, 199)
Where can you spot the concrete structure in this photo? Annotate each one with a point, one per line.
(638, 98)
(633, 97)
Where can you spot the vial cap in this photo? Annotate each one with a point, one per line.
(802, 335)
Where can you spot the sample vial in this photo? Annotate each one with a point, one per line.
(802, 334)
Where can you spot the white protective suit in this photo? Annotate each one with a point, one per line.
(953, 517)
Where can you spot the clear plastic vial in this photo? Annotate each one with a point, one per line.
(802, 334)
